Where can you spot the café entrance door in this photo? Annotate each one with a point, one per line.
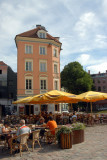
(29, 109)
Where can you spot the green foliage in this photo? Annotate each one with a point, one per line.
(74, 79)
(78, 126)
(63, 129)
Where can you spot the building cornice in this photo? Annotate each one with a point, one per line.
(37, 40)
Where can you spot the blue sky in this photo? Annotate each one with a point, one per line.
(80, 24)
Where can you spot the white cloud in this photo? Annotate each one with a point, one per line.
(83, 59)
(97, 68)
(101, 41)
(104, 7)
(86, 24)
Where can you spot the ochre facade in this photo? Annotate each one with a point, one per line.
(31, 80)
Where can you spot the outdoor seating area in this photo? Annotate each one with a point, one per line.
(44, 148)
(62, 120)
(86, 118)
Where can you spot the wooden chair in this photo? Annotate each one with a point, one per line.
(96, 119)
(105, 119)
(23, 142)
(3, 142)
(74, 120)
(51, 137)
(35, 138)
(90, 121)
(85, 120)
(65, 121)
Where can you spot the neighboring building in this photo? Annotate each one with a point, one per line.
(8, 87)
(38, 65)
(100, 84)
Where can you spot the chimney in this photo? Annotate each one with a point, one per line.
(38, 25)
(106, 71)
(41, 27)
(99, 72)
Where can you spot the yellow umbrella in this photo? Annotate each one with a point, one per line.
(92, 96)
(22, 100)
(54, 96)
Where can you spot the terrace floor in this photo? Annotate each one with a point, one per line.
(93, 148)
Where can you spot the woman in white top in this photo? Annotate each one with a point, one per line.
(5, 128)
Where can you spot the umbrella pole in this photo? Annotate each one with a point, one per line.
(71, 107)
(40, 109)
(91, 107)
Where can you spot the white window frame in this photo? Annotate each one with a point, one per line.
(42, 49)
(55, 52)
(56, 88)
(27, 51)
(42, 69)
(55, 68)
(41, 34)
(44, 89)
(29, 90)
(28, 61)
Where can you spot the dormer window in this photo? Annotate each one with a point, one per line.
(41, 34)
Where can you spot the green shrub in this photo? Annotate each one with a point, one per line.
(64, 130)
(78, 126)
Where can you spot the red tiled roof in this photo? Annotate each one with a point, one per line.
(33, 34)
(2, 63)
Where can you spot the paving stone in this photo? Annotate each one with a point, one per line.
(94, 148)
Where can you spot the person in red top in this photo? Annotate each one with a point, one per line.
(52, 125)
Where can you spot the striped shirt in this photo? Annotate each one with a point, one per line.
(22, 130)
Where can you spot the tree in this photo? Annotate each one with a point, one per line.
(74, 79)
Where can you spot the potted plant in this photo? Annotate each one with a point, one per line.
(64, 137)
(78, 132)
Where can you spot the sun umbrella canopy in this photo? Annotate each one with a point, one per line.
(22, 100)
(92, 96)
(55, 96)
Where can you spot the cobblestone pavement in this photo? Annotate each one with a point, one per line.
(93, 148)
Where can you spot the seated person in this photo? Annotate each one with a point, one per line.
(74, 116)
(5, 128)
(21, 130)
(51, 124)
(65, 118)
(41, 121)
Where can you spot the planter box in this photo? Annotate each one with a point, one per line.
(78, 136)
(66, 141)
